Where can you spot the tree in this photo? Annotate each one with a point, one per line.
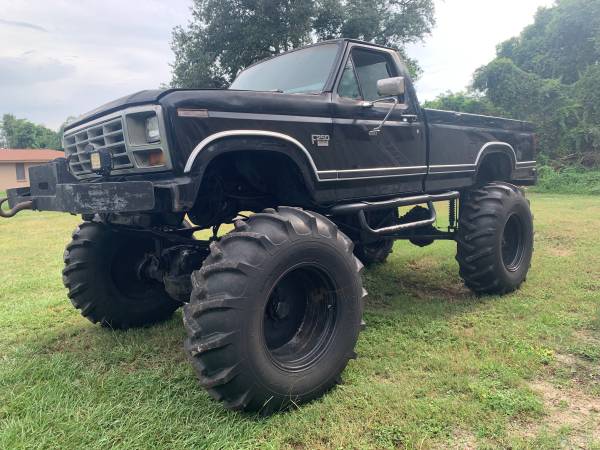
(21, 133)
(562, 42)
(3, 140)
(227, 35)
(468, 102)
(550, 75)
(61, 130)
(393, 23)
(224, 36)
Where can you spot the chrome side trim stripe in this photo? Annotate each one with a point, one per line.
(451, 168)
(305, 119)
(385, 169)
(331, 175)
(351, 174)
(526, 164)
(378, 176)
(277, 117)
(444, 172)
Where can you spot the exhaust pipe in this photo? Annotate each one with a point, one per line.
(13, 211)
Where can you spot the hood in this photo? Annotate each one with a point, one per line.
(217, 100)
(139, 98)
(255, 102)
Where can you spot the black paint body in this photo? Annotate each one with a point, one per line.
(434, 151)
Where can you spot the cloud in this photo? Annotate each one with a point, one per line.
(15, 23)
(94, 53)
(25, 71)
(465, 38)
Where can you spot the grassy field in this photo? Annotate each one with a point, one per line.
(437, 367)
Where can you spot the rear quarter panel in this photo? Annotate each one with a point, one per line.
(457, 141)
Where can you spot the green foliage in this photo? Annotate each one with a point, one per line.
(465, 102)
(561, 43)
(526, 96)
(224, 36)
(569, 180)
(550, 75)
(21, 133)
(392, 23)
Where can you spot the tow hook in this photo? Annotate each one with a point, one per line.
(18, 207)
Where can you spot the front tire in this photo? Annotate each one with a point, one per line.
(275, 311)
(101, 274)
(495, 238)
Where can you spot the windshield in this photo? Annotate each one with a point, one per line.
(301, 71)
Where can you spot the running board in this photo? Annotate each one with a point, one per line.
(362, 207)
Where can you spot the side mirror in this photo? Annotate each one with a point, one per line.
(391, 87)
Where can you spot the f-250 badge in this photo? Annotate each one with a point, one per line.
(320, 140)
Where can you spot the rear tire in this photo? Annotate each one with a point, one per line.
(377, 251)
(101, 276)
(374, 252)
(495, 238)
(275, 311)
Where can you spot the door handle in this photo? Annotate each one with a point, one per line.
(410, 118)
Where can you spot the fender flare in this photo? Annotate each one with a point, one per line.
(216, 145)
(503, 148)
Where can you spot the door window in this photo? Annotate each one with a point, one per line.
(348, 86)
(371, 67)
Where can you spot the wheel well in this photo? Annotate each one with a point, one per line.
(248, 180)
(496, 166)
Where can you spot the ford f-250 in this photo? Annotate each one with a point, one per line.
(325, 144)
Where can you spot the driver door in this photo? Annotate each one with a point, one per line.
(395, 160)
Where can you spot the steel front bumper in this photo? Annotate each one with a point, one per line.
(53, 188)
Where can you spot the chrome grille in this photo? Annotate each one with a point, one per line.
(104, 135)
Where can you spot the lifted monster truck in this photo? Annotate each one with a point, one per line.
(332, 131)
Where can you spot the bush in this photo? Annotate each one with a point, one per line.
(570, 180)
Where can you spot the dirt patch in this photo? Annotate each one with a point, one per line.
(560, 252)
(558, 245)
(587, 337)
(461, 440)
(426, 289)
(570, 408)
(425, 263)
(567, 360)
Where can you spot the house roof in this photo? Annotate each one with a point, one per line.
(29, 155)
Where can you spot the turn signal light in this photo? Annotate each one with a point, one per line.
(156, 158)
(150, 158)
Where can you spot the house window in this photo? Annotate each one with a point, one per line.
(20, 167)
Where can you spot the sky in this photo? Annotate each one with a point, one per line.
(61, 58)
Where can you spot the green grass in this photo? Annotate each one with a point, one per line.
(437, 367)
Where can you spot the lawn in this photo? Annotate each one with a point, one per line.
(437, 366)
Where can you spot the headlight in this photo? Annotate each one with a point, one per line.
(152, 130)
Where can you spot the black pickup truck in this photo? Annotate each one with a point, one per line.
(325, 144)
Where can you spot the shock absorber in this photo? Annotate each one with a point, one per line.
(452, 215)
